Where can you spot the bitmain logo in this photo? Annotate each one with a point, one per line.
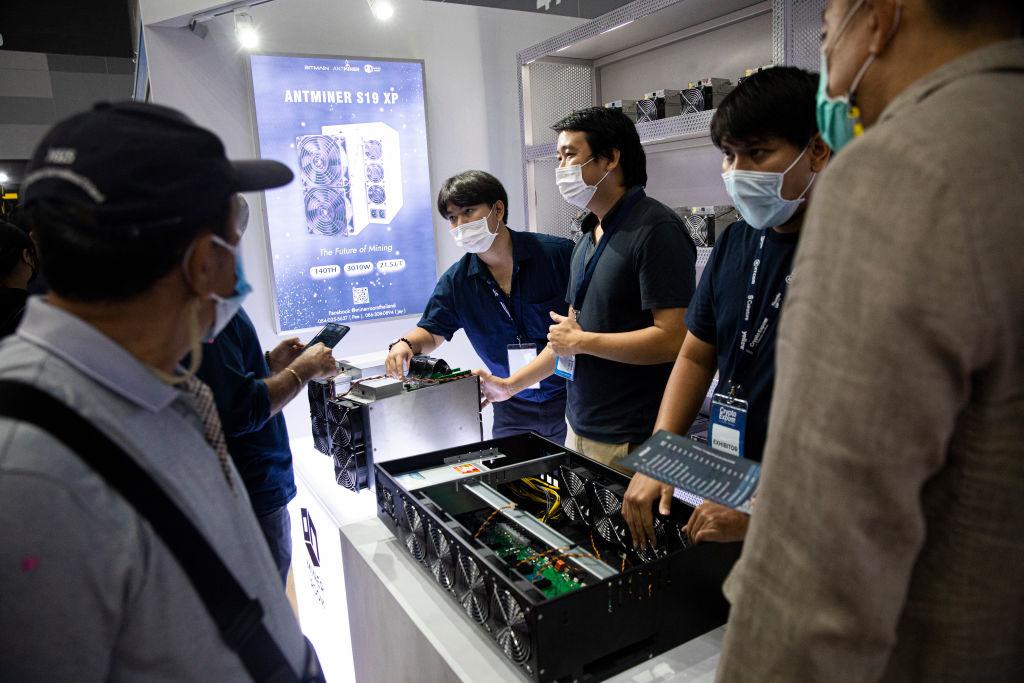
(309, 536)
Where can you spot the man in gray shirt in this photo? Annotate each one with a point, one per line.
(131, 207)
(886, 541)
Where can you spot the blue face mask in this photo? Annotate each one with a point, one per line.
(838, 118)
(225, 308)
(758, 196)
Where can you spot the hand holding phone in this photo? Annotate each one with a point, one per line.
(330, 335)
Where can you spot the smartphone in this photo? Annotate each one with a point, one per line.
(330, 335)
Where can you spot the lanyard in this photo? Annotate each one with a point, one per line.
(505, 307)
(586, 272)
(750, 345)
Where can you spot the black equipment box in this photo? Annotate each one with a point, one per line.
(657, 105)
(704, 95)
(528, 539)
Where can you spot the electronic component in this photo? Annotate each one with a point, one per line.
(540, 555)
(379, 418)
(750, 72)
(704, 95)
(627, 107)
(427, 366)
(704, 222)
(657, 105)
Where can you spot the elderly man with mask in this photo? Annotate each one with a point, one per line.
(250, 387)
(886, 542)
(131, 207)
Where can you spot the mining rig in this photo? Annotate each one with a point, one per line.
(529, 541)
(357, 420)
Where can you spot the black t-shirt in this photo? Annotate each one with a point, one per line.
(715, 316)
(649, 263)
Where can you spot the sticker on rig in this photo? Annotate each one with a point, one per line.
(441, 474)
(697, 469)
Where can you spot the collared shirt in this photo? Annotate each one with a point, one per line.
(886, 542)
(649, 263)
(89, 592)
(715, 316)
(466, 297)
(233, 366)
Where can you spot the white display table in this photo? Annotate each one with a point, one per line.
(404, 629)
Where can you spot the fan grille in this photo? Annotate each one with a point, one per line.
(513, 634)
(576, 503)
(414, 536)
(321, 160)
(327, 210)
(373, 149)
(472, 589)
(442, 564)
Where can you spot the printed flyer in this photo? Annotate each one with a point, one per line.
(351, 238)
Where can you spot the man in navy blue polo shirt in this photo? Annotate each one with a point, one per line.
(250, 388)
(501, 293)
(772, 153)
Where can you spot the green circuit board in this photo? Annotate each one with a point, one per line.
(538, 569)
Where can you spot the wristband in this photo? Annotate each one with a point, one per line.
(402, 339)
(296, 376)
(266, 354)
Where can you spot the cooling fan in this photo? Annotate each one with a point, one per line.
(606, 517)
(373, 149)
(322, 161)
(511, 630)
(442, 560)
(414, 531)
(701, 229)
(386, 501)
(327, 210)
(318, 417)
(471, 588)
(575, 496)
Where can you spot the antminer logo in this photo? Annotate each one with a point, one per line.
(309, 536)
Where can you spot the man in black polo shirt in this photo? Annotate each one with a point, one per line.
(772, 152)
(633, 274)
(501, 293)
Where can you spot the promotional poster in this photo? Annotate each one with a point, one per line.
(351, 238)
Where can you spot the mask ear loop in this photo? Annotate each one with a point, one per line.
(858, 127)
(195, 350)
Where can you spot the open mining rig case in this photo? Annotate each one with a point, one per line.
(528, 539)
(357, 420)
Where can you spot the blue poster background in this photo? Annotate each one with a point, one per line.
(322, 278)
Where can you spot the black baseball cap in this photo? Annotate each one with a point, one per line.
(141, 165)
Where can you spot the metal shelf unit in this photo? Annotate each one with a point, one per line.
(596, 61)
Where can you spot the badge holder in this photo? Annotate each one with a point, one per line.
(519, 356)
(565, 366)
(728, 422)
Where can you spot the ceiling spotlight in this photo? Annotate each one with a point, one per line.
(382, 9)
(4, 177)
(245, 31)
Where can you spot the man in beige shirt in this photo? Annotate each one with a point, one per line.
(887, 540)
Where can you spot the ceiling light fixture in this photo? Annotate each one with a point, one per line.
(245, 31)
(381, 9)
(625, 23)
(4, 177)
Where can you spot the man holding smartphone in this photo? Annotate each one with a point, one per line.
(250, 388)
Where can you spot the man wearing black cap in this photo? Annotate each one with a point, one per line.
(131, 208)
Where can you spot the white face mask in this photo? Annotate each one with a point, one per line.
(572, 186)
(758, 196)
(476, 236)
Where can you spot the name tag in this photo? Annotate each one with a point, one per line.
(728, 424)
(565, 366)
(519, 356)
